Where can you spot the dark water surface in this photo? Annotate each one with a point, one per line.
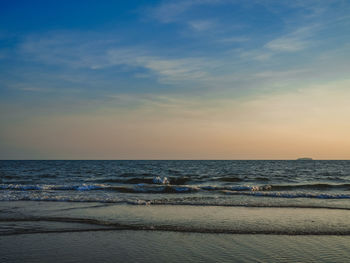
(178, 182)
(263, 197)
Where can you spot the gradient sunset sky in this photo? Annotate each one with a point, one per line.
(210, 79)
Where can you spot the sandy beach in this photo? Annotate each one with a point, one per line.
(149, 246)
(95, 232)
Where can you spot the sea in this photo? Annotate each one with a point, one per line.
(175, 211)
(293, 183)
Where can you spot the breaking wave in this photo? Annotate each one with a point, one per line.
(161, 185)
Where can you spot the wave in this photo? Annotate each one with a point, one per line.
(262, 179)
(146, 180)
(237, 188)
(133, 180)
(317, 186)
(291, 194)
(161, 185)
(176, 203)
(83, 187)
(186, 201)
(271, 187)
(229, 179)
(138, 188)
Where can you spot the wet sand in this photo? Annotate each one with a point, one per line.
(43, 217)
(95, 232)
(153, 246)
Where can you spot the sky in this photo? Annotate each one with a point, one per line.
(185, 79)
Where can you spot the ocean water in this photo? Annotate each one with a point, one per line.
(242, 197)
(268, 183)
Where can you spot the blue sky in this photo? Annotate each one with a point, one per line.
(206, 66)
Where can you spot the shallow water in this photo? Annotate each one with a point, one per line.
(51, 217)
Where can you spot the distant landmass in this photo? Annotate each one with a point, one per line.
(305, 159)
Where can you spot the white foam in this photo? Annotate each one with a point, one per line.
(160, 180)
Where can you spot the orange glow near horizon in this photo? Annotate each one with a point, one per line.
(311, 122)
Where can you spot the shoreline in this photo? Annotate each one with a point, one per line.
(41, 217)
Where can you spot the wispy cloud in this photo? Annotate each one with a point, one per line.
(71, 48)
(207, 67)
(255, 54)
(34, 89)
(286, 75)
(243, 70)
(295, 41)
(166, 69)
(234, 39)
(70, 51)
(287, 44)
(202, 25)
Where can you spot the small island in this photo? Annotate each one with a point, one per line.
(305, 159)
